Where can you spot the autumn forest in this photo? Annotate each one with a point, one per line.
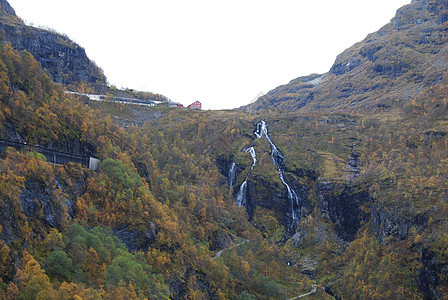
(192, 204)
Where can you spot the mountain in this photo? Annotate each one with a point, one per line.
(383, 72)
(7, 10)
(191, 204)
(64, 60)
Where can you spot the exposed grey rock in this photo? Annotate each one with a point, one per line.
(36, 198)
(224, 164)
(342, 206)
(64, 60)
(179, 287)
(428, 277)
(261, 192)
(345, 66)
(307, 265)
(369, 52)
(136, 238)
(9, 222)
(10, 132)
(391, 63)
(6, 9)
(393, 70)
(42, 205)
(220, 241)
(393, 222)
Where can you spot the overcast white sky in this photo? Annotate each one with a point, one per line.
(222, 53)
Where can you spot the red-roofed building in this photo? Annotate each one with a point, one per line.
(196, 104)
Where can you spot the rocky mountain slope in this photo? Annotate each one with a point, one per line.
(64, 60)
(383, 72)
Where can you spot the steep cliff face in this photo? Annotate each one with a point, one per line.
(393, 222)
(429, 276)
(64, 60)
(382, 72)
(39, 205)
(346, 206)
(6, 9)
(343, 206)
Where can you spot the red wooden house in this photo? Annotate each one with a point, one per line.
(196, 104)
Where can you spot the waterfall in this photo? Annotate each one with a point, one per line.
(251, 150)
(241, 196)
(295, 200)
(232, 175)
(277, 156)
(279, 161)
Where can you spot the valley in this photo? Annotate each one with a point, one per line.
(334, 186)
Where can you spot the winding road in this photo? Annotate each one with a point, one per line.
(306, 294)
(218, 254)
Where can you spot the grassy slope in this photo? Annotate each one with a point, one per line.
(402, 166)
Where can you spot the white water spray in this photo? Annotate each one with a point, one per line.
(295, 200)
(279, 160)
(251, 150)
(277, 156)
(232, 175)
(241, 196)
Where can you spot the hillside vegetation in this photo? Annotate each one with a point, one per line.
(159, 219)
(158, 191)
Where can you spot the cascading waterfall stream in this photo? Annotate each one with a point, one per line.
(295, 200)
(232, 175)
(241, 196)
(277, 157)
(251, 150)
(279, 160)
